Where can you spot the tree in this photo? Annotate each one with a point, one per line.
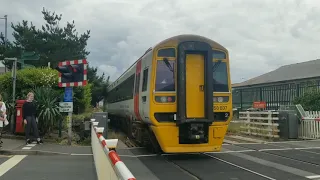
(310, 99)
(52, 42)
(8, 51)
(55, 44)
(99, 88)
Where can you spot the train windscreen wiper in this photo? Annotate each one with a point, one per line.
(216, 65)
(166, 61)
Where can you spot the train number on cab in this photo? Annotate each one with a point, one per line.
(220, 108)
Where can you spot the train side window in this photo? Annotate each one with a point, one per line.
(168, 52)
(145, 80)
(123, 92)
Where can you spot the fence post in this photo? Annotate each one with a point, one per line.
(270, 122)
(248, 122)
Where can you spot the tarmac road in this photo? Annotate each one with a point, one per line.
(247, 161)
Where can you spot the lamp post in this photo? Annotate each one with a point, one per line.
(5, 17)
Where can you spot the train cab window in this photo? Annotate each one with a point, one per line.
(168, 52)
(165, 77)
(219, 55)
(220, 77)
(220, 72)
(145, 80)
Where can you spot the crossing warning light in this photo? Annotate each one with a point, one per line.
(72, 73)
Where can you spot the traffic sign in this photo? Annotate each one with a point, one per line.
(66, 106)
(67, 94)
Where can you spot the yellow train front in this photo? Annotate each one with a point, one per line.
(190, 104)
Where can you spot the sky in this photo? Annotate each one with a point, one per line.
(261, 35)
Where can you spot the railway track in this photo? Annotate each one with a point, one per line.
(131, 143)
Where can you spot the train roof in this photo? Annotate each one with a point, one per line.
(191, 37)
(177, 39)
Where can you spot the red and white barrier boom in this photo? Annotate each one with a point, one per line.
(104, 170)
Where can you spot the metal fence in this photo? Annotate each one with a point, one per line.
(273, 95)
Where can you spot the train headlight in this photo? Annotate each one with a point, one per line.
(221, 99)
(163, 99)
(214, 99)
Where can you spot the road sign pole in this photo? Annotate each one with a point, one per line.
(71, 74)
(67, 106)
(69, 128)
(68, 92)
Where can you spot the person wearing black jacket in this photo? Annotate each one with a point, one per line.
(29, 118)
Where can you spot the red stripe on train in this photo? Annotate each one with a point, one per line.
(136, 96)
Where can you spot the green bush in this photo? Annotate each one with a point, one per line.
(28, 79)
(310, 100)
(44, 83)
(47, 108)
(82, 116)
(82, 99)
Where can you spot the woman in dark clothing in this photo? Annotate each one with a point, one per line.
(29, 118)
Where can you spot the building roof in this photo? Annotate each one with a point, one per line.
(308, 69)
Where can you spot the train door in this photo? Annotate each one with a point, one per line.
(137, 95)
(144, 92)
(195, 86)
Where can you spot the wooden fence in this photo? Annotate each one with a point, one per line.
(265, 124)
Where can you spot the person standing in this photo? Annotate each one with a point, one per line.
(29, 111)
(3, 118)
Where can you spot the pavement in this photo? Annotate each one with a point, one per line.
(288, 160)
(47, 161)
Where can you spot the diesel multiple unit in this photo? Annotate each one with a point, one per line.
(176, 96)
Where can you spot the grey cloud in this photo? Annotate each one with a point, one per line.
(260, 35)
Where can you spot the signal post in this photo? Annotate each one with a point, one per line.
(72, 73)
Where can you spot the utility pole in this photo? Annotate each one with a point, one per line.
(5, 34)
(6, 30)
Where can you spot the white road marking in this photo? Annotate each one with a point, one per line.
(267, 177)
(132, 148)
(26, 147)
(306, 148)
(142, 155)
(313, 177)
(278, 142)
(72, 154)
(281, 149)
(29, 146)
(240, 151)
(10, 163)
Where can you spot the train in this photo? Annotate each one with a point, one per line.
(176, 98)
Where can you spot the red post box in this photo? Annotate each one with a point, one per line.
(19, 116)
